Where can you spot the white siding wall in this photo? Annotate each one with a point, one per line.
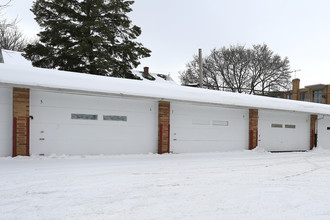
(282, 138)
(54, 132)
(6, 121)
(323, 132)
(196, 128)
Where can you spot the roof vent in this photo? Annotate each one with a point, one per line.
(146, 70)
(146, 74)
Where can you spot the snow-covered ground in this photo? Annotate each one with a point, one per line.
(231, 185)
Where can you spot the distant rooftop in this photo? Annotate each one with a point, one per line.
(316, 87)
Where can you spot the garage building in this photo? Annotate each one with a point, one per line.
(45, 112)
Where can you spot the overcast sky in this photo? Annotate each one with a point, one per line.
(175, 29)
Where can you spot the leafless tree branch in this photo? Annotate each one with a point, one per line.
(238, 69)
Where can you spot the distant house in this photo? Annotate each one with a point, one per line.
(45, 112)
(319, 93)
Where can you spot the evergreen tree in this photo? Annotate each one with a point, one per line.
(88, 36)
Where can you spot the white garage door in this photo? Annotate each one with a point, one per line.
(283, 131)
(323, 132)
(196, 128)
(6, 119)
(81, 124)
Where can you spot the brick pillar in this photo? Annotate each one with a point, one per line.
(327, 94)
(310, 95)
(163, 127)
(295, 89)
(21, 122)
(312, 132)
(253, 128)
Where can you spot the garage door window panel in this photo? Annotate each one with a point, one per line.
(114, 118)
(290, 126)
(219, 123)
(277, 126)
(83, 116)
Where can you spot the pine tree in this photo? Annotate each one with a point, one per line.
(88, 36)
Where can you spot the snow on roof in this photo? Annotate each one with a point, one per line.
(19, 75)
(157, 77)
(46, 78)
(15, 58)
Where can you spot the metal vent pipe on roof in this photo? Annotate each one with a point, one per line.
(200, 68)
(1, 57)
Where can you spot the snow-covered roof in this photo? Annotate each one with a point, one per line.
(61, 80)
(16, 59)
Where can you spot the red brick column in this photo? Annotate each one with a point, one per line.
(21, 122)
(164, 127)
(295, 89)
(253, 128)
(312, 132)
(327, 93)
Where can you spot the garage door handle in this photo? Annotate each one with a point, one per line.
(41, 139)
(174, 139)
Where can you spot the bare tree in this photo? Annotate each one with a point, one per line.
(268, 71)
(191, 75)
(238, 69)
(4, 5)
(2, 19)
(231, 67)
(11, 38)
